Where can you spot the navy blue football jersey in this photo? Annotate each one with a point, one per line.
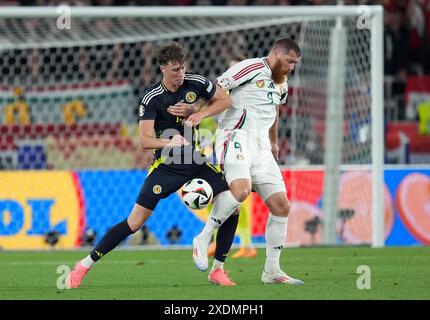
(157, 99)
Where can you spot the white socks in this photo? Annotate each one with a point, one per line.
(276, 234)
(87, 262)
(223, 207)
(217, 264)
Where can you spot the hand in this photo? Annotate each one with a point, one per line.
(182, 110)
(275, 150)
(193, 120)
(177, 141)
(147, 158)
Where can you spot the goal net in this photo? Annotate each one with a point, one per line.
(69, 91)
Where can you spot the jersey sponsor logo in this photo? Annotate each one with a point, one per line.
(260, 84)
(190, 97)
(141, 110)
(157, 189)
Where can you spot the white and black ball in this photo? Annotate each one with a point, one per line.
(197, 193)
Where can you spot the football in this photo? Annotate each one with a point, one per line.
(197, 193)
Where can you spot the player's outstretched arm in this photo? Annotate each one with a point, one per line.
(219, 102)
(148, 141)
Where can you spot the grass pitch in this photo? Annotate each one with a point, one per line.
(329, 273)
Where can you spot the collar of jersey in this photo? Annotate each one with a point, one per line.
(265, 62)
(163, 86)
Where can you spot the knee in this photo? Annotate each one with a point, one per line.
(240, 192)
(138, 217)
(134, 224)
(242, 195)
(282, 209)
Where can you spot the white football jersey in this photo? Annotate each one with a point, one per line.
(254, 94)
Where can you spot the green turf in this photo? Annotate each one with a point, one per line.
(329, 273)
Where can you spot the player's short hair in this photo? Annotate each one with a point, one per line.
(287, 45)
(172, 52)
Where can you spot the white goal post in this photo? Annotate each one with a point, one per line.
(349, 66)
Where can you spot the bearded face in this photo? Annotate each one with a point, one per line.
(283, 66)
(279, 72)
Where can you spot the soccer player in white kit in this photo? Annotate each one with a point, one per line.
(247, 148)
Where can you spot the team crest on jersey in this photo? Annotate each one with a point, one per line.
(260, 83)
(141, 110)
(157, 189)
(190, 97)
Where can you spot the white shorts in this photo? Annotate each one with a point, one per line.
(243, 156)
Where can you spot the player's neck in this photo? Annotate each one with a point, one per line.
(169, 86)
(277, 77)
(270, 62)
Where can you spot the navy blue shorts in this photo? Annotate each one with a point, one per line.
(163, 180)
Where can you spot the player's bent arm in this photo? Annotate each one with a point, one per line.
(146, 136)
(183, 110)
(148, 141)
(220, 101)
(199, 105)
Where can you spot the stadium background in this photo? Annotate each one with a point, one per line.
(73, 202)
(86, 153)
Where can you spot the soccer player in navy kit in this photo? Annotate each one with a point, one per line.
(178, 158)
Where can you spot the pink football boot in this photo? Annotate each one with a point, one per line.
(74, 279)
(220, 277)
